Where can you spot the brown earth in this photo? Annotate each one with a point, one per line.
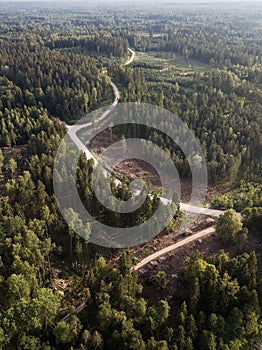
(174, 263)
(135, 168)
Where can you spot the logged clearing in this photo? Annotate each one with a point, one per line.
(169, 61)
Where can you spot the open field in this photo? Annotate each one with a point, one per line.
(161, 62)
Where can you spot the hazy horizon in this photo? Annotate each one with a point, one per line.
(137, 1)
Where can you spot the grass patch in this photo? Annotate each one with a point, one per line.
(165, 61)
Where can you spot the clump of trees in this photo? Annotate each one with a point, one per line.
(103, 43)
(222, 307)
(253, 219)
(245, 195)
(67, 93)
(230, 228)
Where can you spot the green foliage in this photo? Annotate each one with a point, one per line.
(46, 72)
(226, 308)
(253, 219)
(229, 226)
(246, 195)
(63, 333)
(66, 93)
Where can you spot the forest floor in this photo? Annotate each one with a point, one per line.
(134, 168)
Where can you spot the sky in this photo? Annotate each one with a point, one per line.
(141, 1)
(179, 1)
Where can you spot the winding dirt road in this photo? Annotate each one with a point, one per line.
(72, 131)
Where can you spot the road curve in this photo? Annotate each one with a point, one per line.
(172, 247)
(131, 59)
(73, 129)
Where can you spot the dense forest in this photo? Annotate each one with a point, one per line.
(204, 65)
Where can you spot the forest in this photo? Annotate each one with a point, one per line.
(204, 64)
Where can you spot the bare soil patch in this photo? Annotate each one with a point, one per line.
(173, 265)
(134, 168)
